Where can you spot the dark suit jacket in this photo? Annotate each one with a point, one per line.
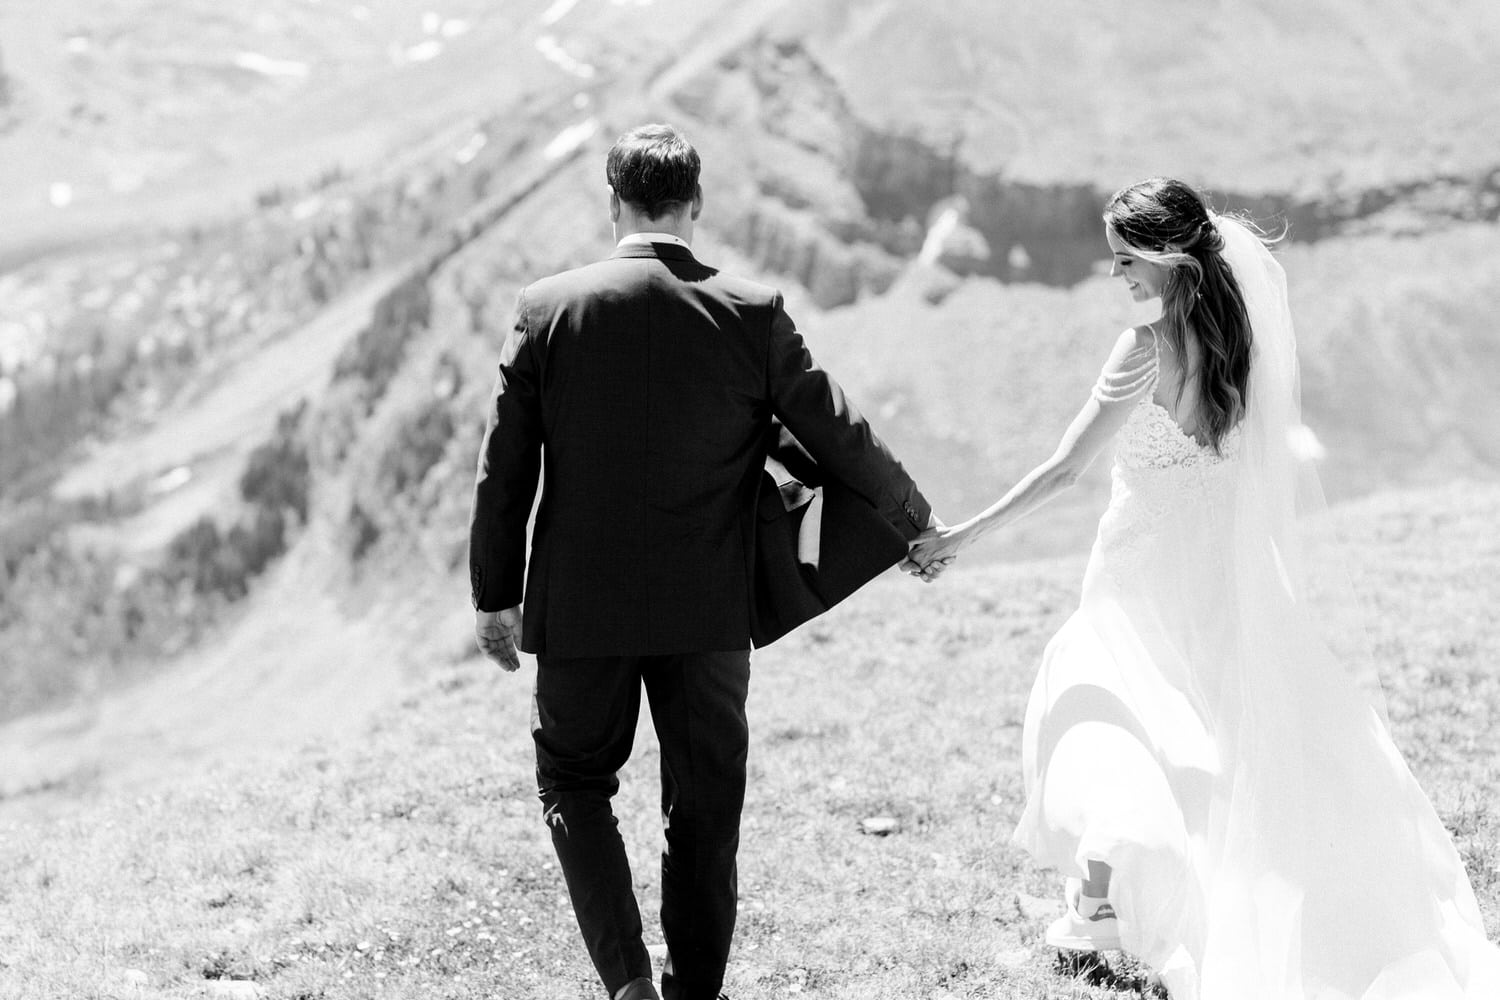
(816, 542)
(646, 384)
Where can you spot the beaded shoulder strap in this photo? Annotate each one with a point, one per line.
(1133, 382)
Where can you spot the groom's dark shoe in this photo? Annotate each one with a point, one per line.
(638, 989)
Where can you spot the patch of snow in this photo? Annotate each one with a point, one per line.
(570, 139)
(306, 208)
(172, 480)
(432, 21)
(470, 149)
(266, 65)
(60, 194)
(558, 11)
(424, 51)
(359, 12)
(554, 53)
(942, 227)
(78, 44)
(453, 27)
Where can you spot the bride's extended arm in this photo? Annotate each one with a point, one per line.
(1129, 375)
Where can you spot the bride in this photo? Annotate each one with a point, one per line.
(1220, 787)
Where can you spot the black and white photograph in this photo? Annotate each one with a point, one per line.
(749, 500)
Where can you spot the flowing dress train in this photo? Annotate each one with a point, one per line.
(1268, 842)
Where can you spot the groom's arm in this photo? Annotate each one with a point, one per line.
(827, 424)
(509, 469)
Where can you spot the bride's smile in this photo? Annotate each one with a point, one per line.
(1144, 278)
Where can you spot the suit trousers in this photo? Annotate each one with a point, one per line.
(584, 715)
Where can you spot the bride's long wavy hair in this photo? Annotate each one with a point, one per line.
(1166, 222)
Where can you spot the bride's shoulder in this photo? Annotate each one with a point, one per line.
(1138, 338)
(1131, 369)
(1135, 346)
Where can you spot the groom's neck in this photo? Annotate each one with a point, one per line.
(678, 224)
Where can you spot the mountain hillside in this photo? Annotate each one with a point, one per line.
(261, 260)
(1321, 99)
(411, 860)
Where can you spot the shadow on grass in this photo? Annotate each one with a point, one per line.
(1126, 976)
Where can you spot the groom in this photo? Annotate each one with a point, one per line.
(647, 384)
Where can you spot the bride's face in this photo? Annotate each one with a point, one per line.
(1144, 279)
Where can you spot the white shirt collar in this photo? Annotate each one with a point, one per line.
(649, 238)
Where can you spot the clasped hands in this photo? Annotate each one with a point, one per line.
(934, 550)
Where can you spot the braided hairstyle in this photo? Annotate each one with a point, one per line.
(1166, 222)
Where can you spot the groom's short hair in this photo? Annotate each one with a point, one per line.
(654, 169)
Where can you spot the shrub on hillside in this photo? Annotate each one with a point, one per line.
(258, 542)
(363, 532)
(418, 445)
(377, 352)
(198, 556)
(392, 498)
(47, 415)
(278, 475)
(23, 530)
(73, 623)
(216, 562)
(276, 485)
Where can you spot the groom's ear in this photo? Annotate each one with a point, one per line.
(614, 206)
(697, 209)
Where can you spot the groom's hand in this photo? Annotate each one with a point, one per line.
(496, 633)
(917, 563)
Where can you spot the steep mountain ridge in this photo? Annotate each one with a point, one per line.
(953, 290)
(1311, 98)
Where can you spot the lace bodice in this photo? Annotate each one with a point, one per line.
(1151, 439)
(1167, 487)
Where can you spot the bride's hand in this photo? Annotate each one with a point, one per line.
(934, 551)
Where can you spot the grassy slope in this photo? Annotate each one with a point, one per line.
(413, 862)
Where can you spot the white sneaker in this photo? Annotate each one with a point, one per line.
(1089, 924)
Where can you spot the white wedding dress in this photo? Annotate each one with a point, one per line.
(1190, 727)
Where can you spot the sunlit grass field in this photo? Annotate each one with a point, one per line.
(413, 862)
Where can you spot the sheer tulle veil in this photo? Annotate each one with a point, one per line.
(1287, 561)
(1316, 789)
